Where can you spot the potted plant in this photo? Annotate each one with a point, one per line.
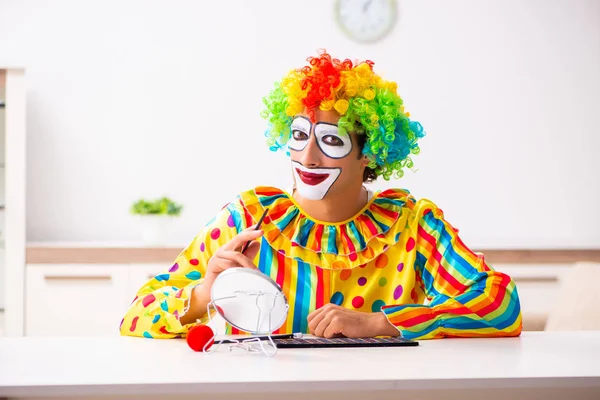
(156, 218)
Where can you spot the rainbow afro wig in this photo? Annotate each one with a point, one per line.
(367, 104)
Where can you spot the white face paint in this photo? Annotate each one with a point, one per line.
(314, 183)
(331, 143)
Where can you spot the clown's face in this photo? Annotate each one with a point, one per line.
(324, 162)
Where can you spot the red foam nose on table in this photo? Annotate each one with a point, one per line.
(198, 336)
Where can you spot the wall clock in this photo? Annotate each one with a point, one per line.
(365, 21)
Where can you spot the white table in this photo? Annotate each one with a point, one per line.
(536, 365)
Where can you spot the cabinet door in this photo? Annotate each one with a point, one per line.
(537, 285)
(75, 300)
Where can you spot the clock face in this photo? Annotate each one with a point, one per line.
(366, 20)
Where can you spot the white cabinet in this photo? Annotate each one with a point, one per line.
(84, 299)
(81, 299)
(76, 300)
(538, 286)
(91, 299)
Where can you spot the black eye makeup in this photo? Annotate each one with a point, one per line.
(332, 140)
(300, 133)
(331, 143)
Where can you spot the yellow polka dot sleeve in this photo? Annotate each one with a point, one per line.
(155, 311)
(467, 297)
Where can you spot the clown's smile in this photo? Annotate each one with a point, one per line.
(314, 183)
(310, 178)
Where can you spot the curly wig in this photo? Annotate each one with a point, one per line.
(367, 104)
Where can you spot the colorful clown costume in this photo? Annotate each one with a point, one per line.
(397, 255)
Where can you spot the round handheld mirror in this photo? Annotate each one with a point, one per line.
(249, 300)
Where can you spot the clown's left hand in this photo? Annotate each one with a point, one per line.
(332, 320)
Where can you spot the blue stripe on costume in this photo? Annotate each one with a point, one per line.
(281, 224)
(305, 233)
(265, 260)
(302, 301)
(450, 257)
(331, 245)
(383, 226)
(268, 200)
(356, 235)
(426, 276)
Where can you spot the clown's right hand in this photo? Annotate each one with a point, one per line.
(227, 256)
(230, 255)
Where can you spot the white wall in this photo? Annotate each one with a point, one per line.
(145, 98)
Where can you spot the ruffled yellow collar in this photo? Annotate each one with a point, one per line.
(342, 245)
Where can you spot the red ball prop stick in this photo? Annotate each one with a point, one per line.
(200, 335)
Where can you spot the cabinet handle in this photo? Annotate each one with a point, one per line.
(77, 277)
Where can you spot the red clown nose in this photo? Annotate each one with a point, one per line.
(198, 336)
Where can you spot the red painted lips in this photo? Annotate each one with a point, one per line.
(310, 178)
